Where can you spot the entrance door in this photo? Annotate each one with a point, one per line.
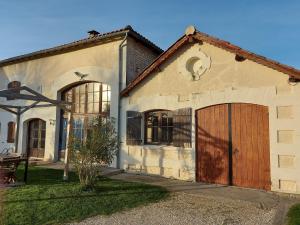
(36, 138)
(233, 145)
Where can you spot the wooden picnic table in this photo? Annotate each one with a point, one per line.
(8, 166)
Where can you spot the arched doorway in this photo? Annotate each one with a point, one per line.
(36, 138)
(88, 100)
(233, 145)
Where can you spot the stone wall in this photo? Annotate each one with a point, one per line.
(138, 58)
(226, 81)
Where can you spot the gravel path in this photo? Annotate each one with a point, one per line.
(182, 208)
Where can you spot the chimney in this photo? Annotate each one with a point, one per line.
(93, 33)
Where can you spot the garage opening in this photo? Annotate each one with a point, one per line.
(233, 146)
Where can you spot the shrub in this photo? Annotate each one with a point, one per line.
(97, 149)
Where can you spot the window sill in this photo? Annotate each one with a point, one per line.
(167, 147)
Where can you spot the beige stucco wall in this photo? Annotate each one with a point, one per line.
(50, 74)
(227, 81)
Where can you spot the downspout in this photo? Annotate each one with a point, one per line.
(119, 97)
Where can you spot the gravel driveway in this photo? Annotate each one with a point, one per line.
(183, 208)
(196, 203)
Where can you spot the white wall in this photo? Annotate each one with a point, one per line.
(5, 118)
(50, 75)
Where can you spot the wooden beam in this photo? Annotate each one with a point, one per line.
(16, 96)
(8, 110)
(29, 107)
(10, 106)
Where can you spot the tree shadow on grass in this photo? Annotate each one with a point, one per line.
(46, 199)
(50, 182)
(45, 176)
(88, 195)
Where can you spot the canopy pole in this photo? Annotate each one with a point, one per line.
(66, 169)
(18, 130)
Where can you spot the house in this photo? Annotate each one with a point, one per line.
(208, 111)
(204, 110)
(90, 73)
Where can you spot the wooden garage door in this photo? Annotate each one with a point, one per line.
(250, 146)
(233, 145)
(212, 140)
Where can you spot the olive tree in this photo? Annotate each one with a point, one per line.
(97, 149)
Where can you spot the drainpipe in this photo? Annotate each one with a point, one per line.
(119, 97)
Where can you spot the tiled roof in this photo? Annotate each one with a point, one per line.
(81, 44)
(199, 36)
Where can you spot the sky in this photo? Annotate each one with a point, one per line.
(265, 27)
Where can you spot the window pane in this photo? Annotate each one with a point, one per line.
(149, 121)
(35, 134)
(82, 88)
(42, 143)
(82, 98)
(155, 120)
(77, 108)
(96, 96)
(63, 133)
(164, 134)
(164, 119)
(170, 121)
(90, 87)
(36, 124)
(96, 107)
(43, 133)
(96, 86)
(104, 96)
(90, 97)
(104, 87)
(68, 97)
(149, 134)
(81, 110)
(43, 125)
(155, 134)
(35, 143)
(90, 107)
(170, 134)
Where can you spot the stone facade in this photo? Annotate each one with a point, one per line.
(138, 57)
(225, 81)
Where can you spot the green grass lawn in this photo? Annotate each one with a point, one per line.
(294, 215)
(46, 199)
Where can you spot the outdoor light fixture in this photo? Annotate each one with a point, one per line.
(52, 122)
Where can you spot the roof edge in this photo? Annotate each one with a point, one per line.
(199, 36)
(81, 44)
